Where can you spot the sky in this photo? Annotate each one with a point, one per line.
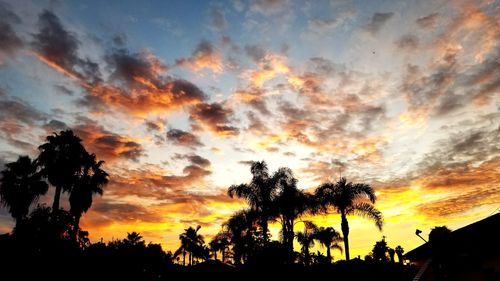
(178, 97)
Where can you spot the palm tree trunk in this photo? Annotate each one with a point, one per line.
(76, 226)
(264, 229)
(183, 257)
(223, 254)
(328, 254)
(345, 232)
(57, 196)
(215, 255)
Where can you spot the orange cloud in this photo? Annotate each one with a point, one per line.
(204, 57)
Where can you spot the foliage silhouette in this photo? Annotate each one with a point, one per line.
(348, 198)
(259, 193)
(329, 238)
(90, 181)
(61, 159)
(20, 186)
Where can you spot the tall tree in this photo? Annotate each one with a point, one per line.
(289, 204)
(193, 241)
(62, 158)
(328, 237)
(241, 229)
(220, 242)
(306, 240)
(259, 194)
(399, 252)
(348, 198)
(20, 186)
(91, 181)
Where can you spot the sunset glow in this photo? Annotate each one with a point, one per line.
(178, 97)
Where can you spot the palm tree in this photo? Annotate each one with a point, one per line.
(241, 227)
(90, 182)
(290, 203)
(399, 252)
(259, 194)
(133, 238)
(192, 240)
(220, 242)
(348, 198)
(306, 239)
(329, 238)
(20, 186)
(61, 158)
(182, 249)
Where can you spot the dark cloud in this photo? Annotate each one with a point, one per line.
(64, 90)
(255, 124)
(9, 40)
(55, 126)
(428, 22)
(407, 42)
(56, 45)
(246, 162)
(255, 52)
(254, 97)
(217, 19)
(183, 138)
(214, 117)
(104, 213)
(120, 39)
(321, 26)
(377, 22)
(135, 69)
(107, 145)
(194, 159)
(322, 66)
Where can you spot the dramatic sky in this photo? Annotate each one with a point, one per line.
(179, 96)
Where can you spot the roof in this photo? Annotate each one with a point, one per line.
(480, 237)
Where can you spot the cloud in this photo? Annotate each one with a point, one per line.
(218, 19)
(205, 56)
(10, 42)
(183, 138)
(254, 97)
(55, 45)
(17, 120)
(321, 26)
(213, 117)
(194, 159)
(428, 22)
(377, 22)
(268, 7)
(139, 69)
(407, 42)
(255, 52)
(107, 145)
(105, 213)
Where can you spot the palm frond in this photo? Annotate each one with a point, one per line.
(368, 211)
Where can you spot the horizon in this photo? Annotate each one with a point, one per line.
(178, 98)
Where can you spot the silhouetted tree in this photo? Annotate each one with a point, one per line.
(391, 253)
(259, 194)
(241, 227)
(348, 198)
(220, 242)
(329, 238)
(306, 240)
(289, 204)
(192, 240)
(89, 182)
(379, 251)
(441, 247)
(61, 158)
(399, 252)
(20, 186)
